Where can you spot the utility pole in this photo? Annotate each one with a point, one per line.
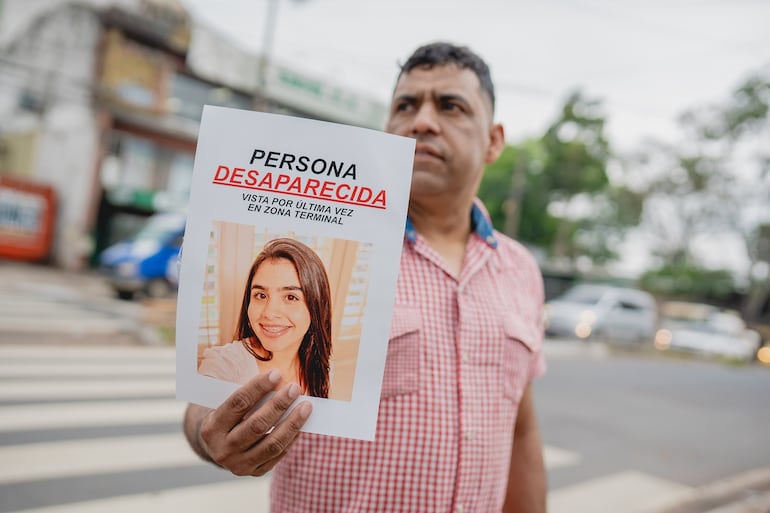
(268, 38)
(512, 205)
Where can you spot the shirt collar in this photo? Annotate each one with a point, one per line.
(480, 225)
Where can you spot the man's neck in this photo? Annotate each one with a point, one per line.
(445, 229)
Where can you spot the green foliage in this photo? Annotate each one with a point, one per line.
(707, 183)
(515, 183)
(567, 164)
(688, 281)
(496, 184)
(575, 148)
(538, 190)
(748, 110)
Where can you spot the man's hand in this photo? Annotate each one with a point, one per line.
(247, 444)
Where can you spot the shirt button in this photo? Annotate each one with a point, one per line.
(469, 436)
(490, 239)
(460, 508)
(465, 358)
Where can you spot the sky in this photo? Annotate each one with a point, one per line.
(647, 61)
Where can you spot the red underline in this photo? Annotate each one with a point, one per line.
(252, 188)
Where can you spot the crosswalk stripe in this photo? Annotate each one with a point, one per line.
(31, 310)
(556, 457)
(98, 413)
(22, 301)
(97, 401)
(86, 325)
(630, 492)
(85, 353)
(96, 456)
(16, 370)
(237, 496)
(28, 390)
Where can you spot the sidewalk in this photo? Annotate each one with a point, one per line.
(41, 304)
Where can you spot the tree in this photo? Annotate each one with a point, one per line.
(758, 297)
(553, 192)
(715, 181)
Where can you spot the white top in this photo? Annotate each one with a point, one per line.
(235, 364)
(231, 362)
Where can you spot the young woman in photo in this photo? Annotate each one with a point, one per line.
(284, 322)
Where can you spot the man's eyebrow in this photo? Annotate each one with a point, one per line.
(452, 97)
(441, 97)
(405, 97)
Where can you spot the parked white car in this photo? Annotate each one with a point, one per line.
(705, 329)
(604, 312)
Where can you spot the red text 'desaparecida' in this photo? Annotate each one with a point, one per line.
(303, 186)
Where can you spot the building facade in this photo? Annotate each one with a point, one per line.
(102, 102)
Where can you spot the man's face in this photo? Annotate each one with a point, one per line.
(444, 108)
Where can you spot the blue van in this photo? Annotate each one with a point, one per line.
(140, 264)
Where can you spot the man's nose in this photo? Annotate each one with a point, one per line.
(425, 119)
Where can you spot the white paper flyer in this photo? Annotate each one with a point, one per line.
(291, 255)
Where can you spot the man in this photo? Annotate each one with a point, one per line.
(456, 428)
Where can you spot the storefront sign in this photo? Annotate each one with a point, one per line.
(27, 215)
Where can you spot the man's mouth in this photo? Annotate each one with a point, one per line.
(426, 150)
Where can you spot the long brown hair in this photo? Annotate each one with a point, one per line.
(316, 346)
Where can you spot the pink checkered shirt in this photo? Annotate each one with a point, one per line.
(460, 355)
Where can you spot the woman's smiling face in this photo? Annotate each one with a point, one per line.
(277, 310)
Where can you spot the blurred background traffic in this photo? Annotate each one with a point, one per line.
(652, 230)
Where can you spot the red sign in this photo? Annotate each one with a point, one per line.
(27, 216)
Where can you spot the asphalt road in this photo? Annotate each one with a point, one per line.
(684, 420)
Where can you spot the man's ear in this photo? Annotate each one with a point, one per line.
(496, 143)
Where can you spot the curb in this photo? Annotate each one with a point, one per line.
(748, 492)
(752, 504)
(567, 348)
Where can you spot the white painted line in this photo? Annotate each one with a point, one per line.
(753, 478)
(85, 325)
(23, 370)
(719, 491)
(84, 352)
(629, 492)
(99, 413)
(12, 299)
(27, 462)
(754, 503)
(32, 309)
(91, 389)
(244, 494)
(568, 348)
(556, 457)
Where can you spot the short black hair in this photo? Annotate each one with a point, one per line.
(441, 53)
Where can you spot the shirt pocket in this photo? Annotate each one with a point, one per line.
(519, 346)
(402, 366)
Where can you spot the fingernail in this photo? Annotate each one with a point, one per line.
(293, 391)
(304, 410)
(274, 376)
